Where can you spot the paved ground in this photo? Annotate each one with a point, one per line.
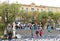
(27, 33)
(47, 36)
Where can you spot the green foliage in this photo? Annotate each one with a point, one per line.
(12, 9)
(2, 28)
(56, 16)
(42, 15)
(50, 14)
(2, 9)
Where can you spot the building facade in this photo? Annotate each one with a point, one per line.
(32, 7)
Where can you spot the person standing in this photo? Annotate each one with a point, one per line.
(49, 28)
(40, 33)
(35, 26)
(30, 25)
(40, 27)
(32, 28)
(37, 33)
(9, 35)
(9, 31)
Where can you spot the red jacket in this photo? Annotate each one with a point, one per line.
(40, 32)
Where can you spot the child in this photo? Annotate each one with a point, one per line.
(37, 34)
(40, 33)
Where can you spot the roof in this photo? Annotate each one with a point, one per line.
(39, 6)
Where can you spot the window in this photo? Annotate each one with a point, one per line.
(26, 9)
(32, 9)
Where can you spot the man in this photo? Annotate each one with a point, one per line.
(35, 26)
(9, 31)
(32, 28)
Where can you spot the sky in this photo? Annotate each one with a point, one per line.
(55, 3)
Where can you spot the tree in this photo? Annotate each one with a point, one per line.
(29, 16)
(50, 17)
(9, 10)
(22, 15)
(50, 14)
(56, 18)
(14, 11)
(42, 17)
(3, 6)
(35, 14)
(2, 28)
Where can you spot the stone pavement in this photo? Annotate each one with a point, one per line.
(47, 36)
(27, 33)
